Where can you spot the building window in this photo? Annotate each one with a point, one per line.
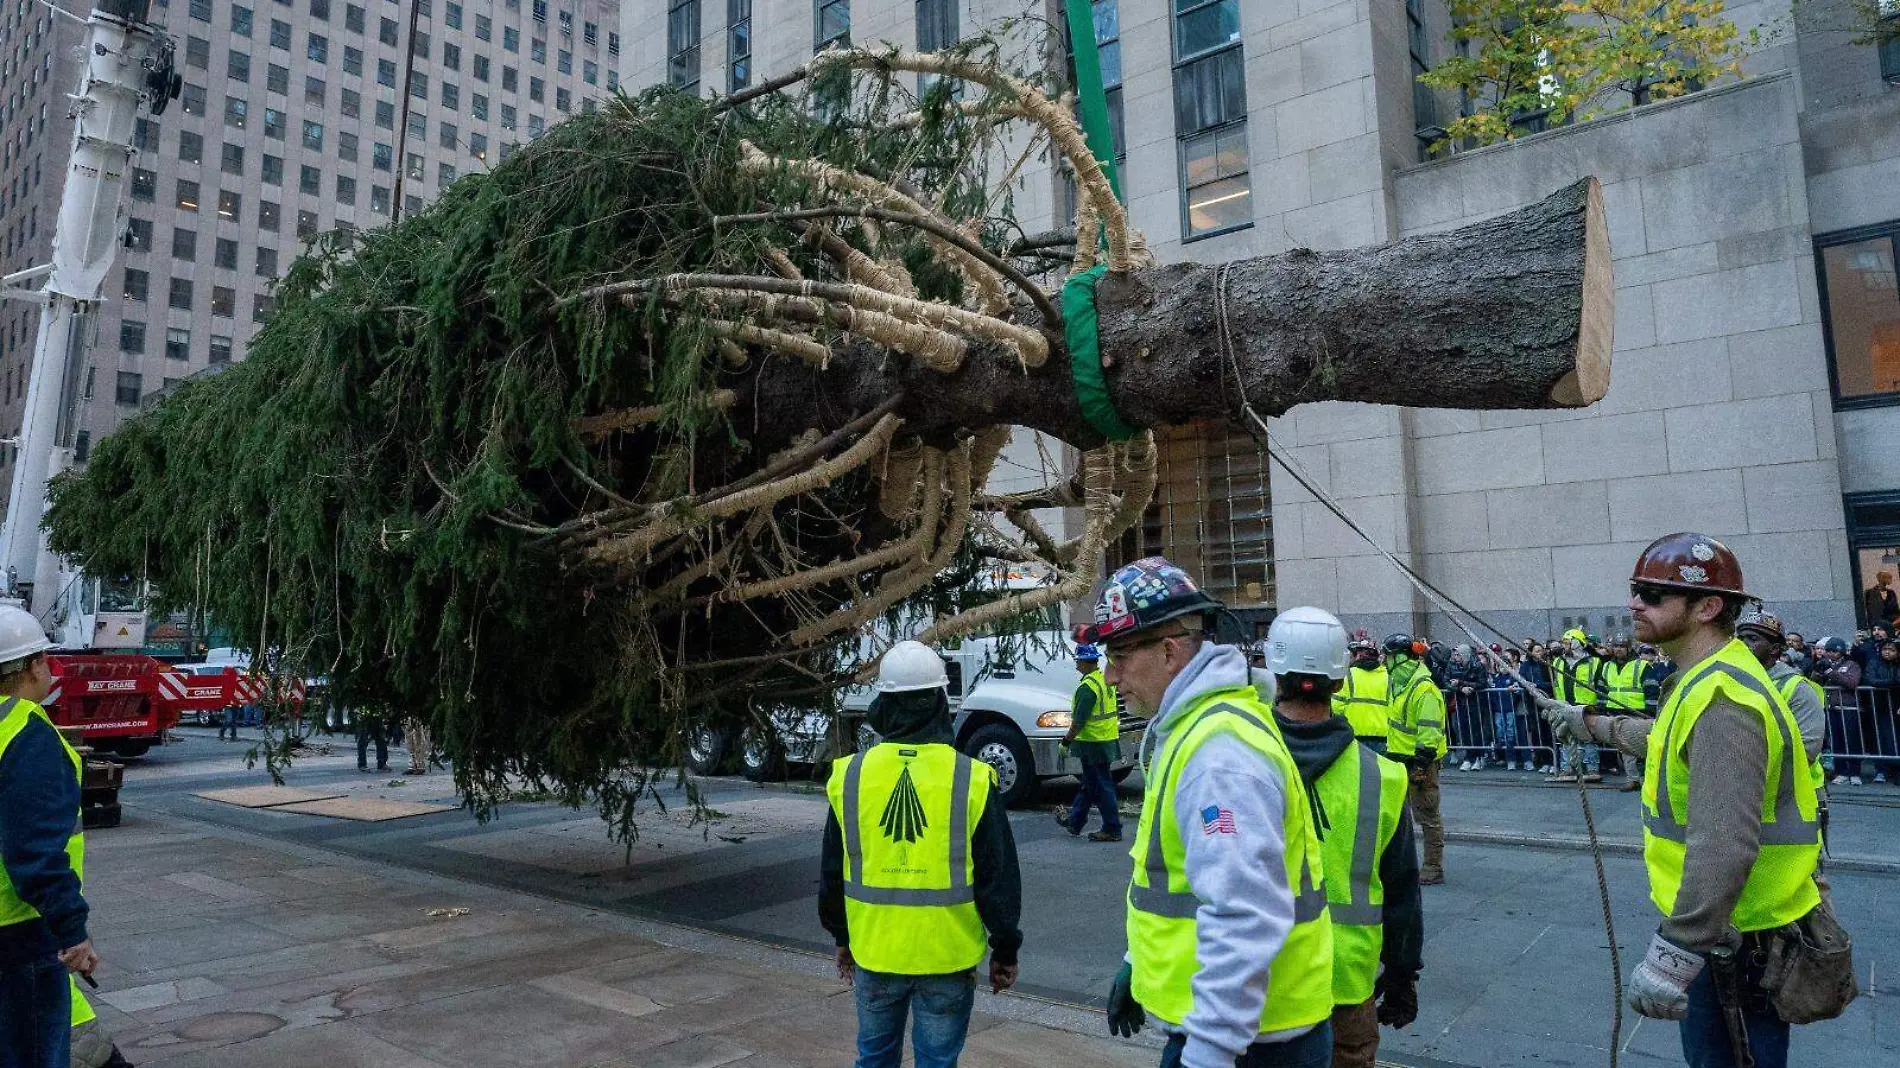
(263, 306)
(280, 34)
(419, 45)
(540, 10)
(445, 174)
(379, 199)
(131, 337)
(382, 156)
(1108, 46)
(354, 18)
(352, 60)
(831, 25)
(224, 301)
(1860, 298)
(613, 80)
(415, 168)
(510, 39)
(538, 50)
(266, 262)
(564, 61)
(177, 344)
(230, 205)
(220, 348)
(484, 28)
(386, 32)
(451, 56)
(411, 203)
(320, 10)
(201, 10)
(187, 198)
(386, 72)
(418, 127)
(277, 79)
(682, 44)
(237, 66)
(197, 52)
(241, 21)
(138, 284)
(418, 85)
(237, 111)
(385, 115)
(346, 147)
(590, 72)
(131, 384)
(535, 126)
(562, 102)
(140, 232)
(226, 254)
(738, 46)
(478, 106)
(273, 168)
(1890, 43)
(267, 216)
(936, 24)
(510, 80)
(351, 103)
(193, 100)
(317, 50)
(310, 181)
(145, 135)
(452, 15)
(181, 294)
(306, 224)
(478, 145)
(314, 91)
(537, 90)
(1212, 514)
(144, 185)
(451, 96)
(449, 137)
(1210, 117)
(191, 147)
(613, 43)
(480, 68)
(313, 135)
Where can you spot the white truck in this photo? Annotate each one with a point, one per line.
(1012, 717)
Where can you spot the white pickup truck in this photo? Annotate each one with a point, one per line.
(1013, 718)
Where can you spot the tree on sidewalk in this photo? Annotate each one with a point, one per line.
(640, 429)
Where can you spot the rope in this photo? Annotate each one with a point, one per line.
(1452, 609)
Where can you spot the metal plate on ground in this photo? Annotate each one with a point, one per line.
(268, 796)
(366, 809)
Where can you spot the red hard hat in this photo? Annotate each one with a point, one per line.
(1695, 563)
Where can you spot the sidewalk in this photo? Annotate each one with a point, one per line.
(223, 947)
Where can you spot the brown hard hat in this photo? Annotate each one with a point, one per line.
(1763, 625)
(1695, 563)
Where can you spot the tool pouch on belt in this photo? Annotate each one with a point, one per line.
(1809, 974)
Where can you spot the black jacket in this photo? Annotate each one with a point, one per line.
(1314, 747)
(39, 801)
(997, 880)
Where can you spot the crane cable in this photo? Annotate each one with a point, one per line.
(1453, 610)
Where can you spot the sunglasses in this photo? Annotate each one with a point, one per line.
(1652, 595)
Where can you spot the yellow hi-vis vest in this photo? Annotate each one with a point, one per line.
(1416, 712)
(1363, 797)
(1105, 725)
(1162, 940)
(908, 813)
(1579, 683)
(15, 714)
(1780, 887)
(1788, 687)
(82, 1009)
(1622, 685)
(1362, 700)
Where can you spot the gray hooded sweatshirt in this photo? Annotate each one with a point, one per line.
(1246, 909)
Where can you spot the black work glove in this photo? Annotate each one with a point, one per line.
(1125, 1014)
(1398, 1000)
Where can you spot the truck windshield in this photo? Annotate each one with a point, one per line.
(121, 594)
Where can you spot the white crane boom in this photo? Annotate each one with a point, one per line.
(127, 64)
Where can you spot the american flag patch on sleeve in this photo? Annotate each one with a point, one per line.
(1218, 820)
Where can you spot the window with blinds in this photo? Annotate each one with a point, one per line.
(1212, 514)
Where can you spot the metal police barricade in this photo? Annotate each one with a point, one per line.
(1863, 737)
(1498, 725)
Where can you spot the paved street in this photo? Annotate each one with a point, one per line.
(234, 934)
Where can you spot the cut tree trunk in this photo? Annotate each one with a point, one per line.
(1512, 312)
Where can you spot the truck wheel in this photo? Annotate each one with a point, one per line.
(130, 748)
(760, 758)
(1004, 749)
(707, 749)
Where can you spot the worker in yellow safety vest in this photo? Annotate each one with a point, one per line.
(1623, 688)
(1365, 837)
(1731, 832)
(1094, 740)
(1574, 680)
(918, 875)
(92, 1046)
(1763, 635)
(1229, 944)
(1362, 698)
(42, 910)
(1417, 741)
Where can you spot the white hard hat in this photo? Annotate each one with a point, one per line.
(911, 666)
(21, 636)
(1307, 641)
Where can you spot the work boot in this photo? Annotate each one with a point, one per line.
(1567, 776)
(1431, 876)
(1062, 821)
(1105, 836)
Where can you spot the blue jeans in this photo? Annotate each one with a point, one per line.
(35, 1014)
(941, 1004)
(1313, 1049)
(230, 724)
(1098, 791)
(1705, 1042)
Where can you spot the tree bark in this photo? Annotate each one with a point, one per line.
(1512, 312)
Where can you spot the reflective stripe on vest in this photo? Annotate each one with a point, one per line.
(15, 715)
(1367, 792)
(1103, 726)
(909, 899)
(1579, 683)
(1780, 886)
(1363, 700)
(1417, 715)
(1623, 685)
(1162, 933)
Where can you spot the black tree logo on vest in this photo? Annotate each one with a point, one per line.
(903, 819)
